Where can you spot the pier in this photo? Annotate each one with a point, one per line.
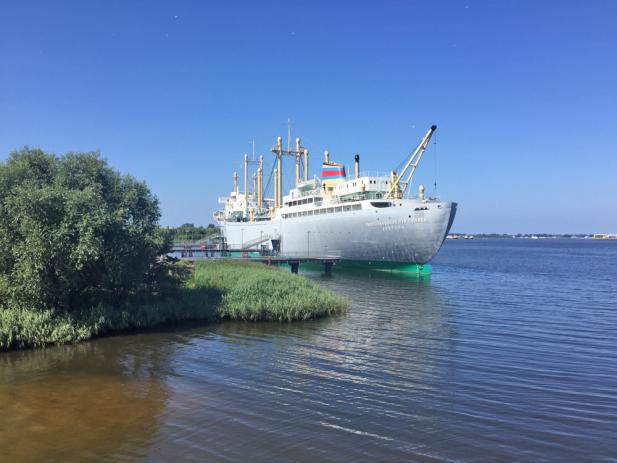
(293, 262)
(217, 250)
(196, 246)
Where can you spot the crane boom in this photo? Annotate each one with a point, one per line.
(398, 188)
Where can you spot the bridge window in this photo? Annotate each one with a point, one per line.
(356, 207)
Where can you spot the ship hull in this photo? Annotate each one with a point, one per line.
(408, 232)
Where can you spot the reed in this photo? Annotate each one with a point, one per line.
(214, 291)
(252, 291)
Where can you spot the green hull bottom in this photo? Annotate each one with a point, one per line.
(378, 266)
(385, 266)
(244, 254)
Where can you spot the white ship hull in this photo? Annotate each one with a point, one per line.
(407, 231)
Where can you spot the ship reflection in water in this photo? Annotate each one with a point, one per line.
(498, 354)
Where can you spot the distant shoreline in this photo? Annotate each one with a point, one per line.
(583, 236)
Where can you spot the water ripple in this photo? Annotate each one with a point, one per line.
(503, 354)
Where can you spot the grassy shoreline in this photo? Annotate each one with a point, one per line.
(215, 291)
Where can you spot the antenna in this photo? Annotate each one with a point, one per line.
(435, 165)
(289, 124)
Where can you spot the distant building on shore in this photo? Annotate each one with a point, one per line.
(605, 236)
(456, 236)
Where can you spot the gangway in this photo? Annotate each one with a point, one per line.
(257, 241)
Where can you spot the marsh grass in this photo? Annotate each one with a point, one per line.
(214, 291)
(252, 291)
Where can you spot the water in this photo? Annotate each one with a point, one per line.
(508, 352)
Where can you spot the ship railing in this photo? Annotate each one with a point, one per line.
(315, 192)
(374, 173)
(307, 255)
(360, 196)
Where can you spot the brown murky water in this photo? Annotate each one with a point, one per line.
(87, 402)
(500, 355)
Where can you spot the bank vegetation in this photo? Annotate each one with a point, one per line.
(83, 255)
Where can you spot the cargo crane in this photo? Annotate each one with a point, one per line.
(397, 188)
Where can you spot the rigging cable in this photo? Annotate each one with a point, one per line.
(435, 165)
(269, 180)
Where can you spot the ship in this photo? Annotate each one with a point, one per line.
(364, 220)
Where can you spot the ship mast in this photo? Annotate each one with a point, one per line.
(260, 183)
(257, 194)
(246, 183)
(280, 152)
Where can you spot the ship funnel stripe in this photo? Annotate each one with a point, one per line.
(330, 175)
(332, 172)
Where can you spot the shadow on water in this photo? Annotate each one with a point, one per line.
(98, 400)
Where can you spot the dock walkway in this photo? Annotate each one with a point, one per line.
(294, 262)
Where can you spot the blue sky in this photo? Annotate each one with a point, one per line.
(524, 95)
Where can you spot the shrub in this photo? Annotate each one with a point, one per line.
(215, 291)
(74, 232)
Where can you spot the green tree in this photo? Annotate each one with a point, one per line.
(73, 231)
(190, 232)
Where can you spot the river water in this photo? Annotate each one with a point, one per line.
(507, 352)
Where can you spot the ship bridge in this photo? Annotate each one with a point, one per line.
(363, 184)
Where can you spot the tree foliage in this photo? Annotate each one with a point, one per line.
(73, 231)
(190, 232)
